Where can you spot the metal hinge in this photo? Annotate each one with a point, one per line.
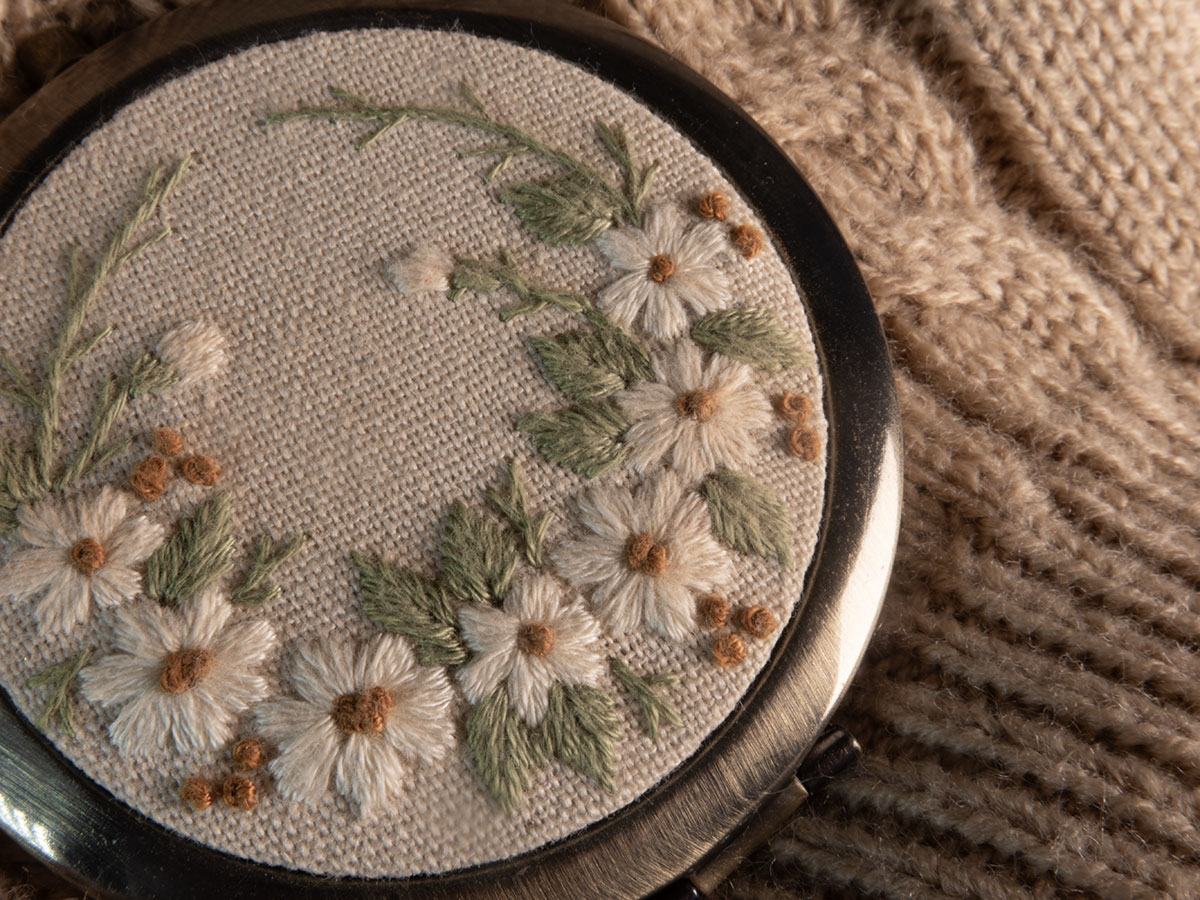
(834, 752)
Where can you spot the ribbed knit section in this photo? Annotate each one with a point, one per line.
(1018, 180)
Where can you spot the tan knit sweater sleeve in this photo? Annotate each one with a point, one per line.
(1019, 182)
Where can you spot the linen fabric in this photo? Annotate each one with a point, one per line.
(357, 414)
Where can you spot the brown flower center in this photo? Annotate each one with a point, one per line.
(88, 556)
(645, 555)
(697, 405)
(363, 713)
(535, 640)
(661, 267)
(183, 670)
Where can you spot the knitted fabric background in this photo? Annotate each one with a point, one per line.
(355, 413)
(1018, 180)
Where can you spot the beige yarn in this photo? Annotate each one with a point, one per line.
(1018, 179)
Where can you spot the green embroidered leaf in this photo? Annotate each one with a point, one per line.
(257, 588)
(479, 558)
(748, 516)
(637, 184)
(579, 729)
(592, 364)
(510, 499)
(753, 336)
(59, 678)
(404, 602)
(197, 555)
(570, 210)
(586, 438)
(502, 748)
(656, 710)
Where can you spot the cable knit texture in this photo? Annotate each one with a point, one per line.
(1018, 180)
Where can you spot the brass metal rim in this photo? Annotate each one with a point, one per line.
(94, 839)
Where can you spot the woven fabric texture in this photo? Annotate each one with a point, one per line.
(1018, 181)
(357, 414)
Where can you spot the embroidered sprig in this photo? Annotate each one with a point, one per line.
(571, 208)
(28, 475)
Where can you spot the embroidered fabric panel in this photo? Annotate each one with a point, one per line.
(511, 569)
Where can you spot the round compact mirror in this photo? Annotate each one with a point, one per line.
(446, 451)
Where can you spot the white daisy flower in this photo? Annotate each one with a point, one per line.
(193, 352)
(535, 641)
(363, 717)
(648, 555)
(181, 677)
(704, 417)
(79, 550)
(420, 270)
(671, 271)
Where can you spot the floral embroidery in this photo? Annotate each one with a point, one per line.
(658, 373)
(193, 352)
(364, 716)
(534, 642)
(179, 677)
(420, 270)
(702, 417)
(647, 558)
(78, 551)
(670, 270)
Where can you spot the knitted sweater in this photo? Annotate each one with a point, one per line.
(1018, 180)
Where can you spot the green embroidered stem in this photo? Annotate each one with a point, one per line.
(484, 276)
(510, 500)
(257, 588)
(197, 555)
(22, 391)
(579, 729)
(121, 248)
(587, 438)
(149, 375)
(479, 559)
(570, 209)
(404, 602)
(505, 753)
(748, 516)
(655, 709)
(753, 336)
(59, 679)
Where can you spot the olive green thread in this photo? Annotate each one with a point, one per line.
(257, 588)
(27, 476)
(591, 365)
(404, 602)
(586, 438)
(570, 209)
(121, 248)
(511, 501)
(59, 678)
(197, 555)
(504, 751)
(753, 336)
(654, 709)
(479, 557)
(748, 516)
(484, 276)
(579, 728)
